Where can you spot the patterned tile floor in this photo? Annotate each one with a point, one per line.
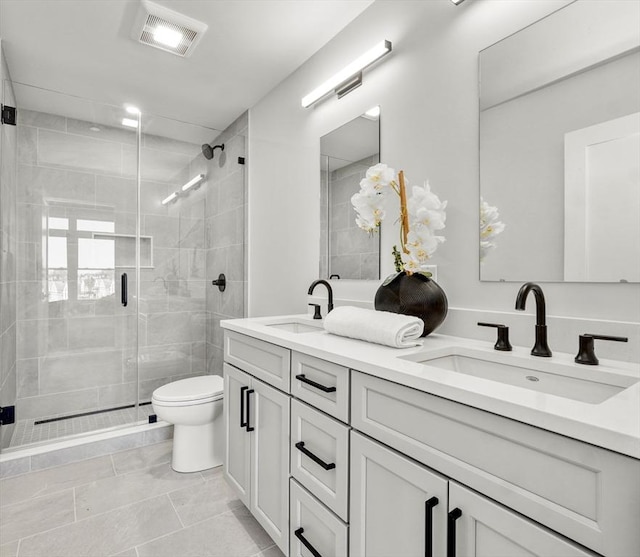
(26, 432)
(128, 504)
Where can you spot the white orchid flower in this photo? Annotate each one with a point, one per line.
(380, 174)
(490, 227)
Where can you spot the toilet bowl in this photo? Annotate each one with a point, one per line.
(194, 407)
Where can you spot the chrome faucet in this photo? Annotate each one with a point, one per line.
(329, 290)
(540, 348)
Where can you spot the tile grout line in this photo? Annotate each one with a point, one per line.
(175, 511)
(75, 507)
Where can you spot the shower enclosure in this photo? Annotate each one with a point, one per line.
(105, 284)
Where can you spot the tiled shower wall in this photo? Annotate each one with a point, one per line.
(8, 234)
(225, 224)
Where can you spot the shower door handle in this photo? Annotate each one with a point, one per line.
(124, 295)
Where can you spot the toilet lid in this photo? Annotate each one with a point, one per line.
(193, 388)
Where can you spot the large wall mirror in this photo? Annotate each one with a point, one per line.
(346, 252)
(560, 147)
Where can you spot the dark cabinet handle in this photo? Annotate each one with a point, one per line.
(301, 377)
(305, 542)
(317, 460)
(124, 296)
(454, 515)
(428, 525)
(248, 393)
(243, 423)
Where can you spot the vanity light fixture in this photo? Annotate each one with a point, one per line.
(350, 77)
(170, 198)
(193, 182)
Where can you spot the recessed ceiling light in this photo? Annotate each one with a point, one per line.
(132, 109)
(166, 29)
(130, 123)
(94, 128)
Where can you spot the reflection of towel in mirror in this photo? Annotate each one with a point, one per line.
(381, 327)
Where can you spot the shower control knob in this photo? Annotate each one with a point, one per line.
(221, 283)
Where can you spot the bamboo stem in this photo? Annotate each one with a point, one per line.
(404, 216)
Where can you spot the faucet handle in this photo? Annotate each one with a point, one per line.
(586, 353)
(502, 343)
(316, 311)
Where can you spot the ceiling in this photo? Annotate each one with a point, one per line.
(84, 48)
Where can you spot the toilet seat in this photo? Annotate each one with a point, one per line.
(194, 390)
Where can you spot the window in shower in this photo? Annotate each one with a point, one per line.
(93, 276)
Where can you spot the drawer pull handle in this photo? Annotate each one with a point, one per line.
(243, 423)
(248, 427)
(301, 377)
(305, 542)
(307, 452)
(428, 525)
(454, 515)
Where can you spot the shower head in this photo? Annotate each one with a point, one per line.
(207, 150)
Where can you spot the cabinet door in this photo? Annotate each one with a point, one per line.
(389, 510)
(237, 439)
(486, 529)
(270, 461)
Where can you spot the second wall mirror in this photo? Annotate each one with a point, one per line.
(345, 154)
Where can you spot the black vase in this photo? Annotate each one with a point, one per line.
(415, 295)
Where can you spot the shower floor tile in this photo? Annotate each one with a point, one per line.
(27, 432)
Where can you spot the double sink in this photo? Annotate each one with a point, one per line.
(591, 385)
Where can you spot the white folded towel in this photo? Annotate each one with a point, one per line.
(381, 327)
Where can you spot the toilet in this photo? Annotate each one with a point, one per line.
(194, 407)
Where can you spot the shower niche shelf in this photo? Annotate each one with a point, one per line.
(125, 249)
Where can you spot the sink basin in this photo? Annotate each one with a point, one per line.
(565, 380)
(297, 326)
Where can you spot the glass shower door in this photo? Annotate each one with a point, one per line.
(76, 206)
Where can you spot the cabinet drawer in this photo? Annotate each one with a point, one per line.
(266, 361)
(584, 492)
(320, 456)
(322, 384)
(313, 525)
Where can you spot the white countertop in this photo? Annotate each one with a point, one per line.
(613, 424)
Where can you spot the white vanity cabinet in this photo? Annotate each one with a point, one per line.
(402, 508)
(586, 494)
(257, 418)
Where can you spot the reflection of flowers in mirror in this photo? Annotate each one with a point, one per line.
(490, 227)
(421, 214)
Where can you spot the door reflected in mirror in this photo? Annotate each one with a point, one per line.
(559, 144)
(345, 155)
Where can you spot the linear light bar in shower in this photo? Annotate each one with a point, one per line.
(193, 182)
(170, 198)
(190, 184)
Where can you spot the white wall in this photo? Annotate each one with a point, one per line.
(427, 89)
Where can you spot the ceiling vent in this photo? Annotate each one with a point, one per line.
(167, 30)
